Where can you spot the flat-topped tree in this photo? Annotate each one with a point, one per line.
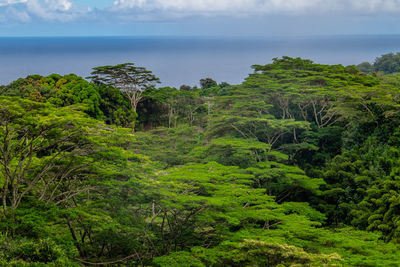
(128, 78)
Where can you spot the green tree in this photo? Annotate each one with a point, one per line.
(102, 102)
(207, 83)
(128, 78)
(387, 63)
(365, 67)
(40, 151)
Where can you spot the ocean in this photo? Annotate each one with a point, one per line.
(178, 60)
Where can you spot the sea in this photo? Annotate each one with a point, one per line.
(182, 60)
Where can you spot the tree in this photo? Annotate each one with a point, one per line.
(232, 151)
(128, 78)
(102, 102)
(207, 83)
(42, 152)
(365, 67)
(388, 63)
(185, 87)
(77, 90)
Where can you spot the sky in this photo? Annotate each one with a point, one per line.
(198, 17)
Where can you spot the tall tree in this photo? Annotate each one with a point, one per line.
(128, 78)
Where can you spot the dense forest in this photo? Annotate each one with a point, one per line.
(297, 166)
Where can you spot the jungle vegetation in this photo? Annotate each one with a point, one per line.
(297, 166)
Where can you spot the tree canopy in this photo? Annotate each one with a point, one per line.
(387, 64)
(128, 78)
(296, 166)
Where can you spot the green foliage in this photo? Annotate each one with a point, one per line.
(365, 67)
(126, 77)
(252, 253)
(79, 91)
(380, 209)
(207, 83)
(122, 76)
(115, 107)
(103, 102)
(169, 107)
(168, 146)
(232, 152)
(205, 204)
(285, 182)
(297, 166)
(362, 187)
(386, 64)
(58, 166)
(24, 252)
(176, 259)
(43, 151)
(35, 87)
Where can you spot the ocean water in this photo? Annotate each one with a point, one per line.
(178, 60)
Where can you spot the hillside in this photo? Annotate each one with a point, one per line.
(296, 166)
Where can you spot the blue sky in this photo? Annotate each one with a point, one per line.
(198, 17)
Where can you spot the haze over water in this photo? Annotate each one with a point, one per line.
(181, 60)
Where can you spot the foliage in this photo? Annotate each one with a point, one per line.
(232, 152)
(42, 150)
(387, 64)
(128, 78)
(168, 146)
(296, 166)
(207, 83)
(101, 102)
(168, 107)
(365, 67)
(26, 252)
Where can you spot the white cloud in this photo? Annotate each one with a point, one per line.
(129, 3)
(52, 10)
(49, 10)
(133, 10)
(11, 2)
(236, 7)
(58, 5)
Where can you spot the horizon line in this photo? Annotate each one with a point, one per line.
(201, 36)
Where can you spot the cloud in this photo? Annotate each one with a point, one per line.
(47, 10)
(164, 10)
(240, 7)
(129, 3)
(52, 10)
(58, 5)
(11, 2)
